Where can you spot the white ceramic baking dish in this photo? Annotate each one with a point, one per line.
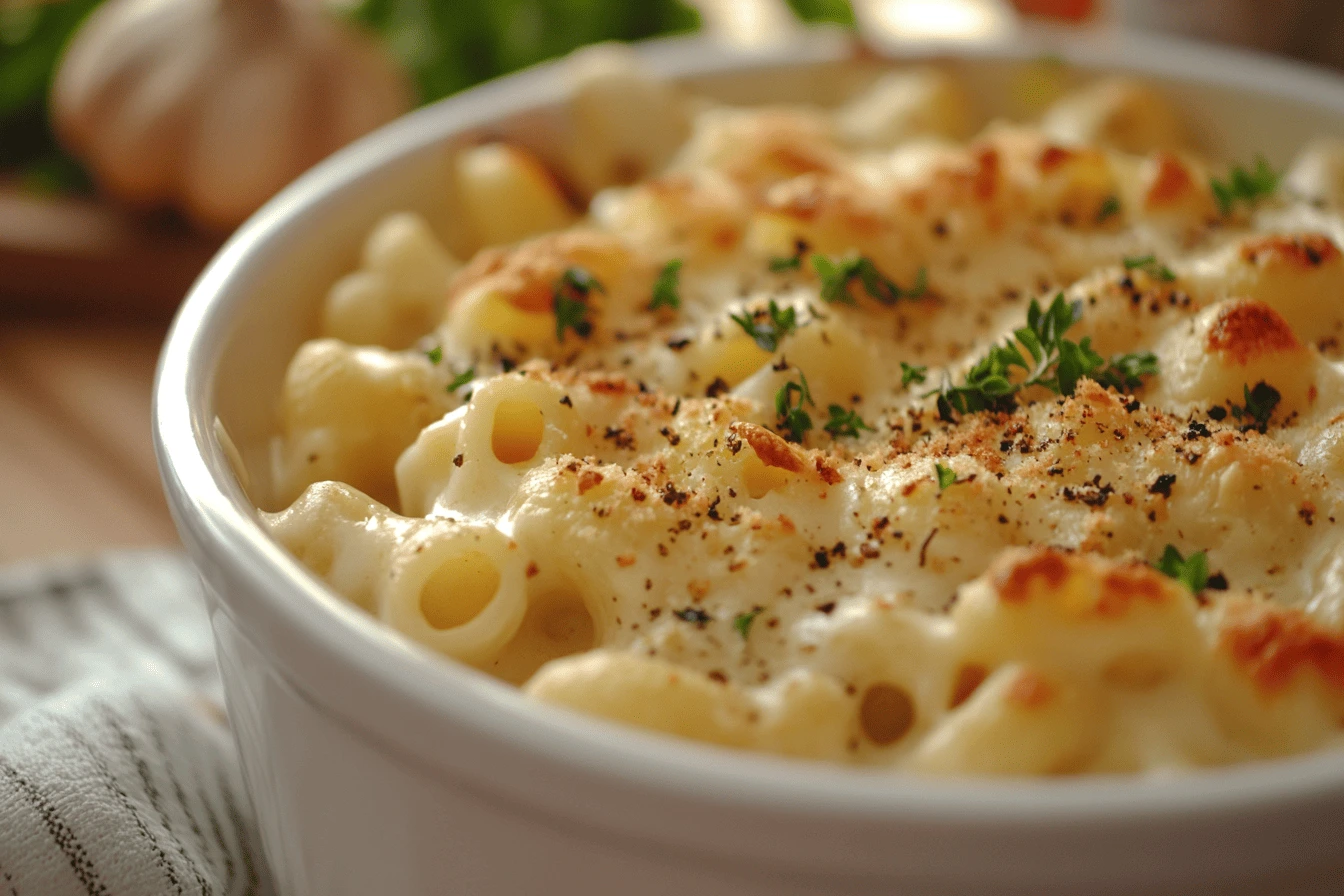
(376, 767)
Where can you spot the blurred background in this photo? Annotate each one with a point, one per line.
(123, 167)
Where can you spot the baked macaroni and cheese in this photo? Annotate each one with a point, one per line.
(849, 435)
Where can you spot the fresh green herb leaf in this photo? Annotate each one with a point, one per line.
(1150, 266)
(580, 281)
(1261, 400)
(462, 379)
(1110, 207)
(782, 263)
(912, 373)
(693, 614)
(742, 622)
(834, 280)
(435, 355)
(570, 302)
(947, 477)
(794, 422)
(1192, 571)
(665, 288)
(844, 423)
(768, 333)
(1244, 186)
(1050, 361)
(1126, 371)
(838, 276)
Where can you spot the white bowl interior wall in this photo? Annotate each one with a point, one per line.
(415, 717)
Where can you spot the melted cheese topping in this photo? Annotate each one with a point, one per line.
(616, 520)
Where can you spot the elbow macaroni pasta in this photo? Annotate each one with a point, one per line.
(736, 516)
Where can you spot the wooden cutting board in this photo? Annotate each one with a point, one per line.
(61, 255)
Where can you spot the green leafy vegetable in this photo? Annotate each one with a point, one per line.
(1050, 361)
(1150, 266)
(844, 423)
(838, 276)
(947, 477)
(781, 263)
(778, 323)
(448, 45)
(665, 288)
(461, 379)
(1261, 400)
(32, 38)
(570, 302)
(1244, 186)
(742, 622)
(837, 11)
(912, 373)
(435, 355)
(1192, 571)
(794, 422)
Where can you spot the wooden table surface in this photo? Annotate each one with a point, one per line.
(77, 469)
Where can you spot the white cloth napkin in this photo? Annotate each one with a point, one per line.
(117, 773)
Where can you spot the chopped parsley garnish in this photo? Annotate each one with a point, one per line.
(1150, 266)
(1126, 371)
(462, 379)
(838, 276)
(693, 614)
(844, 423)
(947, 477)
(665, 294)
(742, 622)
(1261, 400)
(1110, 207)
(913, 373)
(570, 302)
(1050, 361)
(1244, 186)
(1192, 571)
(794, 422)
(782, 263)
(779, 323)
(435, 355)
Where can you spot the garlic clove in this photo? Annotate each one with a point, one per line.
(213, 105)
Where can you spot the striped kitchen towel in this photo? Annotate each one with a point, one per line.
(117, 774)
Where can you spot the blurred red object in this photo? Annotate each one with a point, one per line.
(1069, 10)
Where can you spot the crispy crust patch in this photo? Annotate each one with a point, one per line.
(1303, 251)
(1246, 330)
(1030, 690)
(1053, 157)
(1274, 644)
(813, 197)
(589, 479)
(1014, 573)
(1122, 587)
(772, 450)
(1170, 182)
(526, 275)
(1020, 574)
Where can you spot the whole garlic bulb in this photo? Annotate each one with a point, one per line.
(213, 105)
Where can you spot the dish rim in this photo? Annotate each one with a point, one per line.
(214, 515)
